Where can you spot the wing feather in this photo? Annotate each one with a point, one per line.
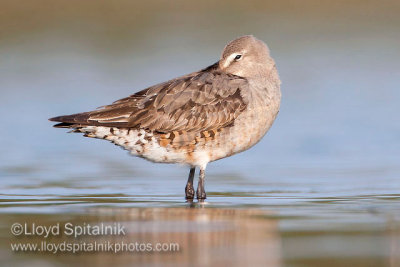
(201, 101)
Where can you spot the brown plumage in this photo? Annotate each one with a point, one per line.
(200, 101)
(197, 118)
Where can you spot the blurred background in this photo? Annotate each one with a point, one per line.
(326, 177)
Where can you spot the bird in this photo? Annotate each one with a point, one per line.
(196, 118)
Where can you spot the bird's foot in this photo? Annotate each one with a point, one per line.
(201, 194)
(189, 191)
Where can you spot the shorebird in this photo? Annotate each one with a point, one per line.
(197, 118)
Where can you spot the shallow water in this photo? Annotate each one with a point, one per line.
(321, 189)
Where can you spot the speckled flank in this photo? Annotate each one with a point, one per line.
(197, 148)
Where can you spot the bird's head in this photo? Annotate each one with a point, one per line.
(247, 57)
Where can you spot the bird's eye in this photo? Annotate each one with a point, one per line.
(238, 57)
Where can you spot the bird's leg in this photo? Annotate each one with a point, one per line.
(201, 193)
(189, 189)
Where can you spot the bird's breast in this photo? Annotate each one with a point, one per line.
(250, 126)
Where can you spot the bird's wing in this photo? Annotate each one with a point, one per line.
(200, 101)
